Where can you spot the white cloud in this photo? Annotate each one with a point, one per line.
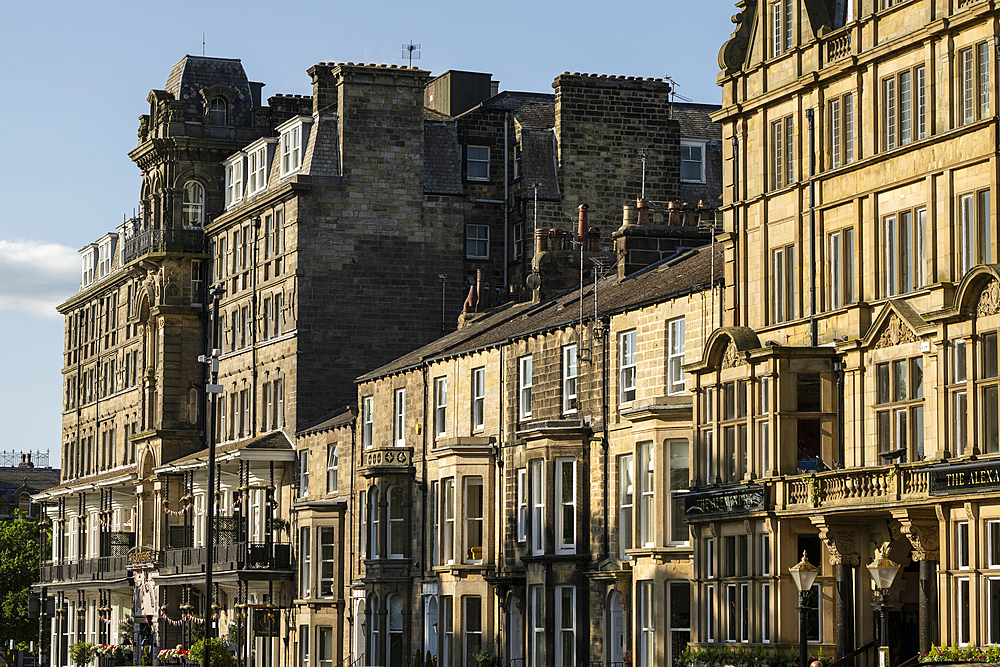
(35, 277)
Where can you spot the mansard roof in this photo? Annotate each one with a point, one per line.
(665, 280)
(193, 74)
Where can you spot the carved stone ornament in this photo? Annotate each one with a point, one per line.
(989, 300)
(733, 53)
(732, 358)
(841, 544)
(895, 333)
(925, 539)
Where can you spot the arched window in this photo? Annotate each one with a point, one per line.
(397, 531)
(194, 204)
(373, 542)
(218, 111)
(394, 646)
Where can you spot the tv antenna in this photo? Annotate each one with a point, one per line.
(411, 51)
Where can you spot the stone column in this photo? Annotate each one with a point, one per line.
(840, 542)
(922, 530)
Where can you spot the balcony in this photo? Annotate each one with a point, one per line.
(854, 486)
(163, 241)
(105, 568)
(226, 557)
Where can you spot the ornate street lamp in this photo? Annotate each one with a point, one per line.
(804, 575)
(883, 572)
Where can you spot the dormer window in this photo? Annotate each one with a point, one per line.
(234, 180)
(194, 204)
(105, 253)
(256, 174)
(89, 258)
(218, 111)
(294, 135)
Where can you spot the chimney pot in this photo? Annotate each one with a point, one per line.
(642, 205)
(540, 241)
(581, 232)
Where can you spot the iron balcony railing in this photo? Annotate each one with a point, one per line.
(240, 556)
(163, 240)
(93, 569)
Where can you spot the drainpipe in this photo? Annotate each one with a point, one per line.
(813, 334)
(253, 329)
(506, 198)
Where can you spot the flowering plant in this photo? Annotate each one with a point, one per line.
(742, 657)
(105, 649)
(970, 653)
(173, 653)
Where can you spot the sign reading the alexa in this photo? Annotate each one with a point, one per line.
(744, 499)
(965, 478)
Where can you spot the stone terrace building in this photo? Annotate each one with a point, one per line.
(344, 227)
(514, 487)
(849, 404)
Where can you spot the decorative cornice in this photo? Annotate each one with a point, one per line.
(894, 333)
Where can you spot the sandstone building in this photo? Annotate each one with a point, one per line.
(345, 228)
(848, 402)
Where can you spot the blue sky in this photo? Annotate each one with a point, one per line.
(74, 79)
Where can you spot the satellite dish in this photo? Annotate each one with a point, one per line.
(533, 281)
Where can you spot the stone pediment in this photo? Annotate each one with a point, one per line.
(898, 324)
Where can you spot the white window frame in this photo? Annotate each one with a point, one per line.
(396, 523)
(367, 421)
(303, 473)
(646, 651)
(686, 158)
(522, 504)
(305, 564)
(193, 211)
(566, 506)
(963, 549)
(399, 417)
(448, 522)
(524, 381)
(675, 356)
(570, 379)
(963, 598)
(478, 398)
(993, 543)
(710, 613)
(257, 163)
(332, 466)
(538, 627)
(626, 367)
(440, 406)
(646, 481)
(292, 139)
(676, 491)
(327, 560)
(626, 505)
(565, 627)
(992, 608)
(537, 493)
(470, 520)
(765, 613)
(234, 180)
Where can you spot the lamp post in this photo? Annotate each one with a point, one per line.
(883, 572)
(804, 575)
(212, 389)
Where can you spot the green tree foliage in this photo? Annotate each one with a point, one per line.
(18, 570)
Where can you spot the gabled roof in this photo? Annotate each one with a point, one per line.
(667, 279)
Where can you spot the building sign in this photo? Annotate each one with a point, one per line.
(965, 479)
(266, 621)
(142, 557)
(729, 501)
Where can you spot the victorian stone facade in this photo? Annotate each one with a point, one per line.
(847, 405)
(334, 232)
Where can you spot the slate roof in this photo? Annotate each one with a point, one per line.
(338, 418)
(191, 74)
(33, 480)
(273, 441)
(122, 471)
(669, 278)
(694, 121)
(530, 109)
